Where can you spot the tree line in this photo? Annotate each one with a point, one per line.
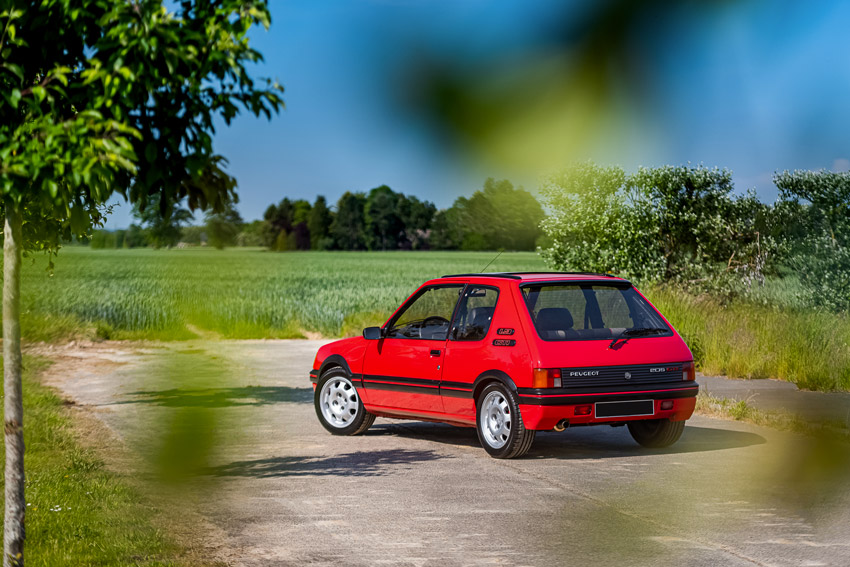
(499, 216)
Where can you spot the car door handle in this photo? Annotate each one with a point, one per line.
(435, 352)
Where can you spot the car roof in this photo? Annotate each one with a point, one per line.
(541, 276)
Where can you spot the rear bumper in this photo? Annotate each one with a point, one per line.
(543, 409)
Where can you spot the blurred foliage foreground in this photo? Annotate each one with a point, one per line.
(79, 511)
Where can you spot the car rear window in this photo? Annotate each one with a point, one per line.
(590, 311)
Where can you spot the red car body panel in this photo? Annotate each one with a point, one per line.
(437, 380)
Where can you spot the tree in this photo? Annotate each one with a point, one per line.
(319, 224)
(349, 225)
(162, 229)
(134, 237)
(89, 111)
(498, 217)
(223, 227)
(447, 231)
(278, 220)
(821, 199)
(384, 225)
(416, 218)
(300, 235)
(814, 211)
(590, 225)
(251, 234)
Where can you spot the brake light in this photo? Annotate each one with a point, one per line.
(546, 378)
(688, 371)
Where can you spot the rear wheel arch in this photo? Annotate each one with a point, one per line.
(489, 377)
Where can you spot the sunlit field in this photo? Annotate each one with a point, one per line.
(245, 293)
(237, 293)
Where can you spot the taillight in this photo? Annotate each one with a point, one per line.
(546, 378)
(688, 371)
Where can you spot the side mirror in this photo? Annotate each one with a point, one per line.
(373, 333)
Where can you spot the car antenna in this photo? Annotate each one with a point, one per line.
(491, 261)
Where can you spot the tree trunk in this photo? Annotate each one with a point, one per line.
(13, 409)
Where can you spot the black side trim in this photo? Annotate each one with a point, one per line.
(456, 389)
(371, 378)
(531, 396)
(314, 376)
(417, 386)
(448, 393)
(403, 388)
(458, 385)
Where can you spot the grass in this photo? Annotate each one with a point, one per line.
(749, 340)
(79, 512)
(251, 293)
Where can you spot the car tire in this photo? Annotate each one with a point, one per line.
(656, 433)
(501, 430)
(338, 405)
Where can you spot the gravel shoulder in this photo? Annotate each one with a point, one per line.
(277, 489)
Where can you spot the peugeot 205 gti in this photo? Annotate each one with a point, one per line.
(512, 354)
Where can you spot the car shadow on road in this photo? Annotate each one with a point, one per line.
(439, 432)
(360, 463)
(221, 397)
(599, 443)
(580, 443)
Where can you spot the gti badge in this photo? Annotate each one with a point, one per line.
(628, 375)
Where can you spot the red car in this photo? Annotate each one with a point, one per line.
(512, 354)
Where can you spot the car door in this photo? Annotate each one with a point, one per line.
(467, 348)
(402, 370)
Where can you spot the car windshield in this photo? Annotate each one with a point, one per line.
(591, 311)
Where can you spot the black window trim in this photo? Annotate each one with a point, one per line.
(389, 324)
(622, 285)
(457, 308)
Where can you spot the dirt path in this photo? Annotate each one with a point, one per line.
(235, 418)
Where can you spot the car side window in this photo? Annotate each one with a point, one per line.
(475, 313)
(428, 316)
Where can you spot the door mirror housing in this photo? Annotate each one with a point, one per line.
(373, 333)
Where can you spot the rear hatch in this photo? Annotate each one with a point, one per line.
(601, 333)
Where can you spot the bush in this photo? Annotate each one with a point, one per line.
(824, 272)
(667, 224)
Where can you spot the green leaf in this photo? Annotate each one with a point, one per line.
(14, 97)
(15, 69)
(39, 92)
(150, 152)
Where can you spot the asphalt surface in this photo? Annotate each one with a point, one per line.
(781, 396)
(279, 490)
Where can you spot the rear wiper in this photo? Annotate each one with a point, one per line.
(639, 332)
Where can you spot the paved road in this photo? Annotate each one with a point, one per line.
(279, 490)
(779, 395)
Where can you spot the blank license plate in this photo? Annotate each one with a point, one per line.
(625, 409)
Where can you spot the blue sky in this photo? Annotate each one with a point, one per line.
(755, 86)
